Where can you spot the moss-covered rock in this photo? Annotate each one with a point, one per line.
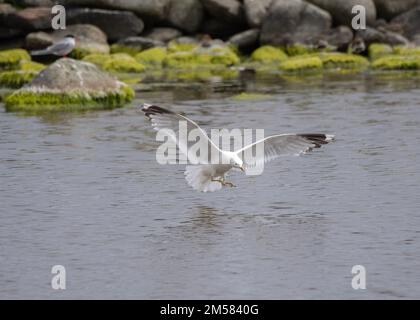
(152, 57)
(16, 78)
(301, 63)
(377, 50)
(343, 61)
(175, 46)
(407, 51)
(202, 58)
(117, 62)
(298, 50)
(268, 54)
(10, 59)
(70, 85)
(246, 96)
(397, 62)
(27, 70)
(119, 48)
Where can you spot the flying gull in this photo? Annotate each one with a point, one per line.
(208, 177)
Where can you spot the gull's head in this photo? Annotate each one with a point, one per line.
(237, 162)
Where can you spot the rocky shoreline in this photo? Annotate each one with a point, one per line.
(211, 38)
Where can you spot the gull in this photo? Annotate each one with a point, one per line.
(205, 176)
(60, 48)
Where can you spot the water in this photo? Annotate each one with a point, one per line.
(85, 191)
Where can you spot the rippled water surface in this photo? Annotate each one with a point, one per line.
(85, 191)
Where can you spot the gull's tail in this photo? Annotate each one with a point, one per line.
(200, 179)
(40, 52)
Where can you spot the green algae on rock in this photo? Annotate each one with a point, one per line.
(152, 57)
(377, 50)
(10, 59)
(247, 96)
(27, 70)
(301, 64)
(339, 60)
(117, 62)
(70, 85)
(119, 48)
(397, 62)
(268, 54)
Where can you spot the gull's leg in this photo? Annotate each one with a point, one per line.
(223, 182)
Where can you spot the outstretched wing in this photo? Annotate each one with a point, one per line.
(170, 123)
(275, 146)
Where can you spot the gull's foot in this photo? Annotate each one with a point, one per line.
(229, 184)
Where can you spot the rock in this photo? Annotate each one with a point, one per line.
(138, 44)
(294, 21)
(68, 85)
(11, 59)
(389, 9)
(302, 64)
(186, 15)
(268, 54)
(30, 19)
(381, 35)
(8, 33)
(149, 9)
(409, 23)
(152, 57)
(107, 20)
(397, 62)
(89, 39)
(118, 62)
(341, 10)
(340, 37)
(5, 10)
(17, 78)
(256, 11)
(246, 40)
(163, 34)
(230, 11)
(34, 3)
(220, 29)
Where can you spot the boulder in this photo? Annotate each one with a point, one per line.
(341, 10)
(107, 20)
(186, 15)
(68, 85)
(256, 11)
(163, 34)
(294, 21)
(220, 29)
(89, 39)
(246, 40)
(34, 3)
(389, 9)
(230, 11)
(139, 43)
(409, 22)
(339, 37)
(38, 18)
(150, 9)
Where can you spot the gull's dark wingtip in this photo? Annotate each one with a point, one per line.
(150, 109)
(318, 139)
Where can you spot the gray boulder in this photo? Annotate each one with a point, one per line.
(89, 38)
(68, 85)
(186, 15)
(256, 11)
(220, 29)
(381, 35)
(116, 24)
(38, 18)
(246, 40)
(389, 9)
(339, 37)
(340, 10)
(153, 9)
(409, 23)
(163, 34)
(230, 11)
(140, 43)
(294, 21)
